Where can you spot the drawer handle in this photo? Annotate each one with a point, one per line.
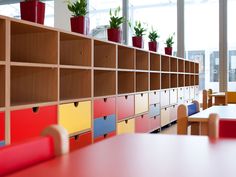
(173, 90)
(76, 104)
(126, 97)
(35, 109)
(76, 137)
(165, 109)
(105, 135)
(154, 117)
(126, 121)
(165, 91)
(155, 105)
(105, 117)
(141, 94)
(155, 93)
(173, 106)
(142, 116)
(105, 99)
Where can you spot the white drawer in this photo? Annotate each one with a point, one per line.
(165, 98)
(173, 96)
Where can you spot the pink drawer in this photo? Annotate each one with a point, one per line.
(154, 97)
(142, 124)
(125, 106)
(104, 107)
(173, 113)
(154, 123)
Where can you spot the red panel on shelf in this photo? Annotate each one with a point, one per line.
(142, 124)
(100, 138)
(80, 141)
(155, 123)
(125, 106)
(104, 107)
(29, 123)
(2, 126)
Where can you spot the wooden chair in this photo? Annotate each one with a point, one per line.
(206, 98)
(230, 98)
(183, 112)
(53, 142)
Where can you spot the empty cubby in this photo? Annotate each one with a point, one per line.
(155, 81)
(181, 80)
(196, 80)
(75, 84)
(155, 62)
(126, 57)
(125, 82)
(33, 44)
(2, 86)
(2, 40)
(196, 68)
(187, 67)
(174, 80)
(30, 85)
(187, 80)
(173, 64)
(141, 60)
(104, 83)
(75, 50)
(181, 67)
(141, 81)
(165, 63)
(192, 79)
(192, 67)
(165, 81)
(104, 54)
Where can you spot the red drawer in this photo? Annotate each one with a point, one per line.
(154, 123)
(125, 106)
(29, 123)
(142, 124)
(80, 141)
(2, 126)
(100, 138)
(104, 107)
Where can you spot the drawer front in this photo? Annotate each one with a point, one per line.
(75, 117)
(173, 96)
(196, 92)
(142, 124)
(104, 125)
(165, 98)
(173, 113)
(165, 116)
(125, 106)
(186, 93)
(104, 107)
(154, 122)
(141, 103)
(154, 110)
(126, 126)
(80, 141)
(105, 136)
(154, 97)
(192, 93)
(2, 126)
(29, 123)
(2, 143)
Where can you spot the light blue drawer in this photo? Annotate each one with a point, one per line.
(154, 110)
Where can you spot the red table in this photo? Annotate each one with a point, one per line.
(144, 155)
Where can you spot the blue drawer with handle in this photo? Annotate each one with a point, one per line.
(154, 110)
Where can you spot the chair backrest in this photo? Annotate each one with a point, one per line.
(22, 155)
(230, 98)
(206, 99)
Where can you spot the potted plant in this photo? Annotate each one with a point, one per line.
(139, 33)
(79, 22)
(32, 10)
(169, 43)
(153, 45)
(114, 32)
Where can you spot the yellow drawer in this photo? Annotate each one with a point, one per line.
(126, 126)
(141, 103)
(165, 116)
(75, 117)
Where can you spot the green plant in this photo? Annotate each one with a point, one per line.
(138, 29)
(170, 40)
(153, 35)
(115, 20)
(78, 8)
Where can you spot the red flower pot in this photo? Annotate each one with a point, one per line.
(80, 24)
(137, 41)
(114, 35)
(153, 46)
(33, 11)
(168, 50)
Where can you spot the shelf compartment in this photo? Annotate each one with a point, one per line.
(181, 67)
(75, 84)
(187, 80)
(155, 81)
(196, 80)
(125, 82)
(30, 85)
(2, 86)
(173, 64)
(104, 54)
(192, 67)
(75, 50)
(196, 69)
(141, 60)
(165, 81)
(2, 40)
(165, 63)
(33, 44)
(181, 80)
(141, 81)
(104, 83)
(192, 80)
(187, 67)
(155, 62)
(125, 58)
(174, 80)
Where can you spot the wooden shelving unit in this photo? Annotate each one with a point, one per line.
(141, 81)
(187, 80)
(192, 80)
(181, 67)
(141, 60)
(155, 62)
(165, 63)
(196, 80)
(2, 86)
(155, 79)
(173, 64)
(165, 81)
(187, 67)
(2, 40)
(126, 82)
(181, 80)
(196, 69)
(126, 58)
(192, 67)
(174, 80)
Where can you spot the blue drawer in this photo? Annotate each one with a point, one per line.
(104, 125)
(154, 110)
(2, 143)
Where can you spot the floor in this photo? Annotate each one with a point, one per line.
(171, 130)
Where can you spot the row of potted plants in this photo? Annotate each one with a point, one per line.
(34, 11)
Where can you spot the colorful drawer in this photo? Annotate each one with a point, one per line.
(196, 92)
(104, 125)
(165, 98)
(2, 127)
(154, 123)
(141, 103)
(29, 123)
(180, 95)
(125, 106)
(105, 136)
(104, 107)
(192, 92)
(186, 93)
(165, 116)
(173, 96)
(2, 143)
(154, 110)
(142, 124)
(173, 113)
(81, 140)
(154, 97)
(75, 116)
(126, 126)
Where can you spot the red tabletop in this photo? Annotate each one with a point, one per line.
(144, 155)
